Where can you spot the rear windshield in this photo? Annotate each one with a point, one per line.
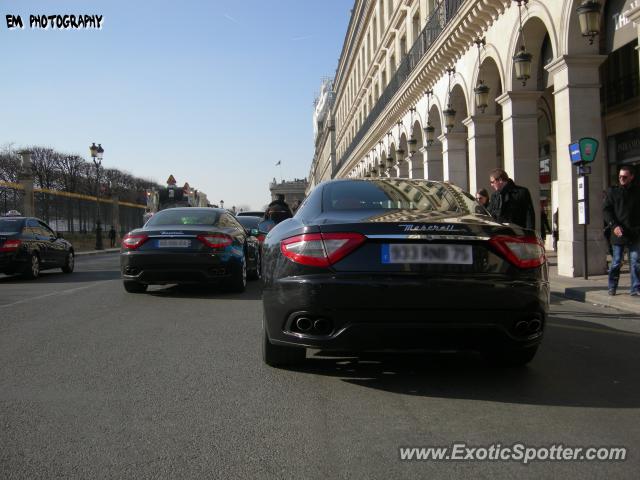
(249, 222)
(11, 225)
(420, 195)
(183, 217)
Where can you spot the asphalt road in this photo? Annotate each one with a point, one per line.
(98, 383)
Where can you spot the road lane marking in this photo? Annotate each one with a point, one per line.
(596, 330)
(64, 292)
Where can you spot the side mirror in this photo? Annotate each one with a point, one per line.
(59, 235)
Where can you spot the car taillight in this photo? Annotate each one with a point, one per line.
(215, 240)
(320, 249)
(10, 245)
(134, 241)
(523, 252)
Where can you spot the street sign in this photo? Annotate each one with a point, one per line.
(583, 213)
(588, 149)
(583, 151)
(171, 180)
(581, 188)
(574, 152)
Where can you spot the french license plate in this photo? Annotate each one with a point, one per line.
(427, 253)
(174, 243)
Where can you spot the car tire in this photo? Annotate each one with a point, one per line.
(511, 357)
(33, 268)
(256, 274)
(239, 278)
(69, 263)
(280, 356)
(134, 287)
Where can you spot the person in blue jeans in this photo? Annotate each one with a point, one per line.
(621, 212)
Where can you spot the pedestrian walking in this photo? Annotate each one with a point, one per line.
(482, 197)
(621, 211)
(556, 228)
(510, 203)
(112, 236)
(545, 228)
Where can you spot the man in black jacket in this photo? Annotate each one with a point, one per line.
(510, 203)
(621, 212)
(278, 210)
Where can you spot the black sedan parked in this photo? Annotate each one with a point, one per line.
(189, 245)
(28, 246)
(379, 264)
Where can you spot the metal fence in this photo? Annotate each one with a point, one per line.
(73, 212)
(440, 17)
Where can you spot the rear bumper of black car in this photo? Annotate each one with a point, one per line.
(166, 268)
(11, 262)
(359, 312)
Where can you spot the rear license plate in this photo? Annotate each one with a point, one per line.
(427, 253)
(174, 243)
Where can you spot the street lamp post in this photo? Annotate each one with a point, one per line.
(96, 155)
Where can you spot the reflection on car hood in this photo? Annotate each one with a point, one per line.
(401, 216)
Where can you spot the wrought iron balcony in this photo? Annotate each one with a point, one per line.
(438, 20)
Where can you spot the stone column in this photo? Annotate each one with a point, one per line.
(520, 128)
(576, 83)
(416, 165)
(25, 178)
(454, 158)
(432, 160)
(483, 153)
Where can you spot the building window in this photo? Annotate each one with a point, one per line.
(620, 79)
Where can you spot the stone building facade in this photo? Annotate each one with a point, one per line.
(293, 190)
(406, 101)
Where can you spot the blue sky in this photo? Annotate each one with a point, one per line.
(213, 92)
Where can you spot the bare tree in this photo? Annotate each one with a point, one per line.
(10, 164)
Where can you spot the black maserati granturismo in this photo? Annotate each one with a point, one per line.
(398, 264)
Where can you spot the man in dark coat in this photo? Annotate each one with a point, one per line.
(510, 203)
(621, 211)
(278, 210)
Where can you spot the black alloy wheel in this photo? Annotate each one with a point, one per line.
(238, 281)
(69, 263)
(256, 273)
(32, 270)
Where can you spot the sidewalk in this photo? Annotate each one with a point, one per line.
(593, 290)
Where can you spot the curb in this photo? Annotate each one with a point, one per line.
(622, 301)
(97, 252)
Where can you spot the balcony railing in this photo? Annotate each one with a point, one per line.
(438, 20)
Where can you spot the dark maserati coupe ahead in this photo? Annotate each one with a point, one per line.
(28, 246)
(189, 245)
(379, 264)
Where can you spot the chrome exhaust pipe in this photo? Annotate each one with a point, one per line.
(521, 327)
(321, 325)
(304, 324)
(535, 325)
